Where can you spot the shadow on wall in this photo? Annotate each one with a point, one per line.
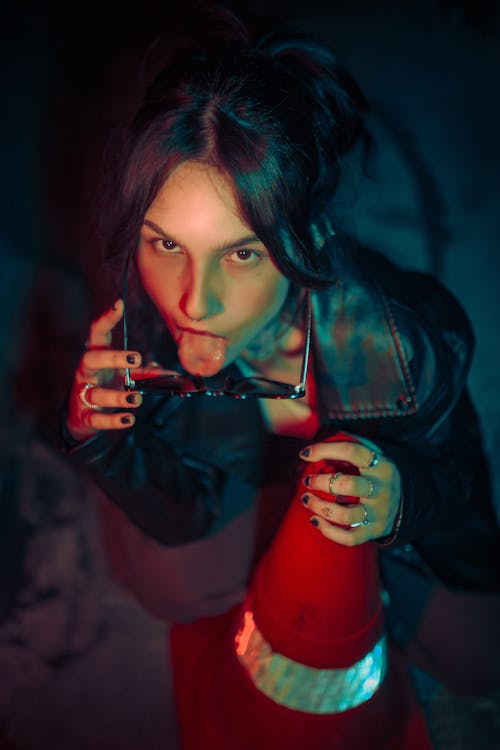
(394, 202)
(49, 570)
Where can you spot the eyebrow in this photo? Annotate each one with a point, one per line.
(220, 249)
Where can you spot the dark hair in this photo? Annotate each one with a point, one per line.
(268, 106)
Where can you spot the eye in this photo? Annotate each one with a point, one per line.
(244, 257)
(165, 246)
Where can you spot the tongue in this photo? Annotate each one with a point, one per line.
(201, 354)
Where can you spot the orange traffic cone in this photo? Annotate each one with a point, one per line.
(304, 663)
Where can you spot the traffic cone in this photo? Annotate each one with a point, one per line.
(304, 662)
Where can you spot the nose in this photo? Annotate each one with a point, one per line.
(200, 298)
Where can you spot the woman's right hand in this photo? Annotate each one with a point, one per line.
(97, 367)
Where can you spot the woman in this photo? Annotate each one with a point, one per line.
(238, 283)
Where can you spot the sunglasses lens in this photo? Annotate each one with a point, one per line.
(260, 387)
(173, 384)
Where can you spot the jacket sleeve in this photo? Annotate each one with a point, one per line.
(447, 511)
(169, 473)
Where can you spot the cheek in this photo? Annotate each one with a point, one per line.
(160, 286)
(273, 294)
(263, 299)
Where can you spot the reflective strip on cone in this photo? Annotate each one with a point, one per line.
(303, 688)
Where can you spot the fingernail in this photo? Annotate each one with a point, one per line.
(307, 481)
(131, 359)
(314, 522)
(305, 453)
(126, 420)
(305, 499)
(114, 306)
(131, 398)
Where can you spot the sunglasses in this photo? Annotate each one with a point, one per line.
(182, 385)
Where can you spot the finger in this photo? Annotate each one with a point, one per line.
(100, 329)
(346, 537)
(96, 421)
(345, 515)
(353, 453)
(343, 484)
(108, 398)
(83, 423)
(363, 440)
(106, 359)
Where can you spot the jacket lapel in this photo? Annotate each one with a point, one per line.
(361, 367)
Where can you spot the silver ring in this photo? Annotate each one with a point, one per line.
(333, 477)
(83, 396)
(371, 491)
(375, 458)
(365, 520)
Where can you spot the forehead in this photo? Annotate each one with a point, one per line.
(199, 195)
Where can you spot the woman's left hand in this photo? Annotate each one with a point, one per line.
(378, 486)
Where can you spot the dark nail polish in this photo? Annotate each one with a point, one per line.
(131, 359)
(314, 522)
(131, 398)
(126, 420)
(305, 499)
(307, 481)
(305, 453)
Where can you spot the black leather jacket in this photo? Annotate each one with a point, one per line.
(391, 351)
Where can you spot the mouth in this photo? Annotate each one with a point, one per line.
(186, 329)
(201, 352)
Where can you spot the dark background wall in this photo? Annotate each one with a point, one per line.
(70, 72)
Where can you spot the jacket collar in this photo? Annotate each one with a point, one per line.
(361, 367)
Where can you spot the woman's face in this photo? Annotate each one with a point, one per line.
(212, 280)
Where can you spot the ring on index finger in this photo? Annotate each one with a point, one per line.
(83, 396)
